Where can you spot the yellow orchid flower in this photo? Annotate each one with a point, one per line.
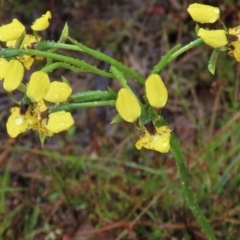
(160, 141)
(59, 121)
(13, 75)
(127, 105)
(38, 86)
(213, 38)
(203, 13)
(32, 119)
(11, 31)
(58, 92)
(234, 48)
(42, 23)
(235, 31)
(17, 123)
(156, 91)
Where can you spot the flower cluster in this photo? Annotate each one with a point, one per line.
(215, 38)
(10, 33)
(129, 108)
(32, 114)
(39, 90)
(33, 118)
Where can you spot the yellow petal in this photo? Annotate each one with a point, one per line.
(213, 38)
(235, 31)
(234, 46)
(38, 86)
(11, 31)
(41, 107)
(156, 91)
(26, 60)
(58, 92)
(13, 75)
(59, 121)
(26, 43)
(235, 50)
(17, 123)
(43, 128)
(42, 23)
(203, 13)
(36, 121)
(3, 67)
(128, 106)
(159, 142)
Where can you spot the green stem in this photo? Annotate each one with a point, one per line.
(53, 66)
(8, 53)
(96, 54)
(187, 191)
(91, 96)
(119, 76)
(164, 60)
(69, 107)
(192, 44)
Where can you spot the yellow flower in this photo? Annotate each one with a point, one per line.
(18, 123)
(11, 31)
(127, 105)
(203, 13)
(235, 31)
(234, 48)
(160, 141)
(38, 86)
(42, 23)
(213, 38)
(3, 67)
(13, 75)
(32, 119)
(59, 121)
(58, 92)
(156, 91)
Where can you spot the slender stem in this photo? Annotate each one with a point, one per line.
(53, 66)
(119, 76)
(91, 96)
(68, 107)
(187, 191)
(164, 60)
(8, 52)
(192, 44)
(96, 54)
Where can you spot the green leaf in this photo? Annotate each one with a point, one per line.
(20, 40)
(65, 81)
(41, 138)
(197, 27)
(160, 122)
(116, 119)
(64, 34)
(212, 61)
